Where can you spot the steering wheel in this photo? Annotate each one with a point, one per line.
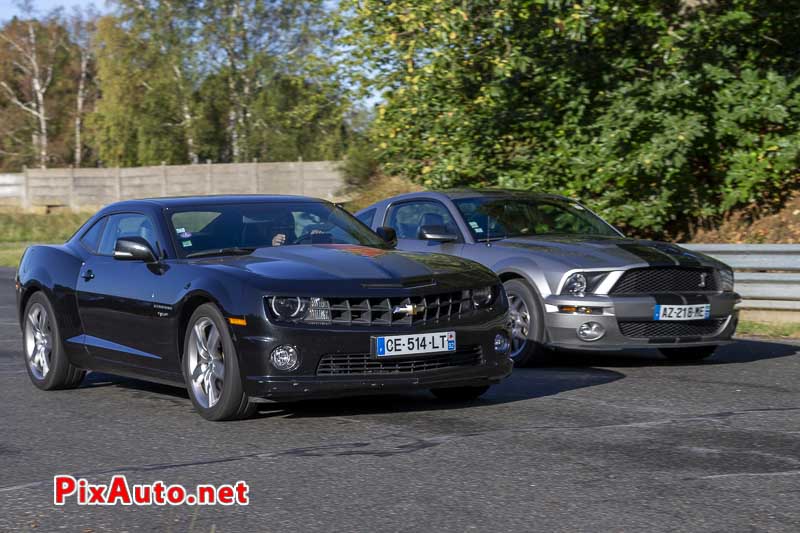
(310, 231)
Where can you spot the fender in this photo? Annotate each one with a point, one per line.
(37, 272)
(526, 268)
(227, 296)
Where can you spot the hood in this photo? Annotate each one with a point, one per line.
(333, 264)
(589, 251)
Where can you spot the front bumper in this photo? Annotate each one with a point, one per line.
(562, 327)
(263, 381)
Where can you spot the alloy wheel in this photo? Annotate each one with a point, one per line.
(38, 341)
(520, 324)
(207, 362)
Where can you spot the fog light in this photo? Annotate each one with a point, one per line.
(591, 331)
(501, 343)
(285, 358)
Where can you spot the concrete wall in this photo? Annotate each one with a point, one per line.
(93, 187)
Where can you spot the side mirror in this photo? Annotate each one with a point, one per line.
(437, 233)
(134, 249)
(387, 234)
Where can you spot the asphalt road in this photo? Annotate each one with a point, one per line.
(608, 442)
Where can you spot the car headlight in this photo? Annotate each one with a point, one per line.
(298, 309)
(580, 283)
(726, 279)
(287, 307)
(482, 297)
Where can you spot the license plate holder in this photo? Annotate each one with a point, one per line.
(682, 312)
(414, 344)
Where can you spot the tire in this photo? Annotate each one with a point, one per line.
(45, 358)
(527, 325)
(460, 394)
(687, 355)
(211, 368)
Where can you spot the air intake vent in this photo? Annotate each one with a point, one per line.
(364, 363)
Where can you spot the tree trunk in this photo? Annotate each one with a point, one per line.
(39, 90)
(188, 122)
(79, 109)
(188, 118)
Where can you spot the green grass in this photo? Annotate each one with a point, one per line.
(19, 230)
(787, 330)
(30, 227)
(10, 252)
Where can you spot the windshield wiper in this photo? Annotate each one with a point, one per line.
(233, 250)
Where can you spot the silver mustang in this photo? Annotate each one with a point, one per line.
(573, 281)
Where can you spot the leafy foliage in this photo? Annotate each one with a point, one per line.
(213, 79)
(175, 82)
(663, 114)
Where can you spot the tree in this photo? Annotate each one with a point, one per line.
(212, 79)
(82, 27)
(254, 43)
(32, 52)
(663, 114)
(151, 47)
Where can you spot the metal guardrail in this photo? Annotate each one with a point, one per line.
(767, 275)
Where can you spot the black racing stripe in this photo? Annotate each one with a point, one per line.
(652, 256)
(685, 258)
(661, 254)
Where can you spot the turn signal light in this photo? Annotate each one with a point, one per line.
(580, 310)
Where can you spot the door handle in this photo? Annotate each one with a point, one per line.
(88, 275)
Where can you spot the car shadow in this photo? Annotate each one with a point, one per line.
(523, 384)
(95, 380)
(742, 350)
(571, 371)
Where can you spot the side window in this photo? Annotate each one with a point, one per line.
(126, 225)
(367, 217)
(408, 218)
(91, 239)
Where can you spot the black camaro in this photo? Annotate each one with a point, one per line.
(257, 297)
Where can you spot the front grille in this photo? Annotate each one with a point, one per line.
(381, 311)
(697, 328)
(364, 363)
(666, 280)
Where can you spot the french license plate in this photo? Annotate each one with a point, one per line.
(682, 312)
(444, 341)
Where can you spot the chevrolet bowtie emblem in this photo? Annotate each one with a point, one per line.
(408, 309)
(703, 276)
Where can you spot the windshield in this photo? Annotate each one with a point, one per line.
(501, 218)
(228, 229)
